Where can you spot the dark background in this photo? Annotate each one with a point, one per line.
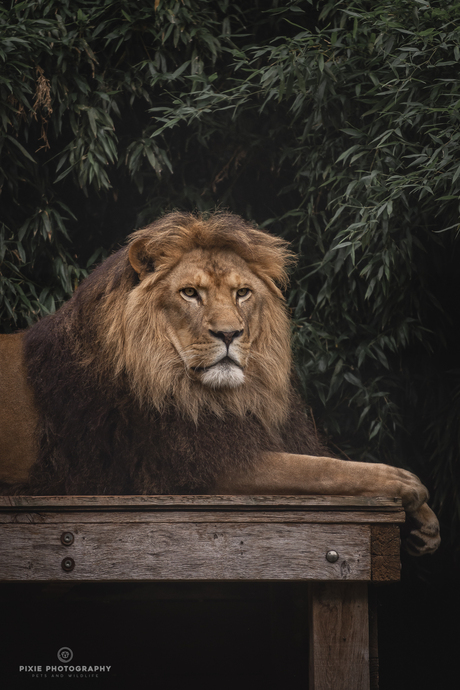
(245, 635)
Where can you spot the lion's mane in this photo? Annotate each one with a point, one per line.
(118, 413)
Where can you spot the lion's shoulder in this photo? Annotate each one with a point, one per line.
(18, 416)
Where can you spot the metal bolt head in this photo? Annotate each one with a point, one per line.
(332, 556)
(68, 564)
(67, 538)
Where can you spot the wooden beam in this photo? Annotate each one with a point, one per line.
(106, 503)
(184, 551)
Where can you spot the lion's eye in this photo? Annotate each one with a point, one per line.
(243, 292)
(189, 292)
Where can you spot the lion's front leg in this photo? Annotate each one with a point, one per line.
(286, 473)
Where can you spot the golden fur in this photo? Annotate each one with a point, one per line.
(18, 417)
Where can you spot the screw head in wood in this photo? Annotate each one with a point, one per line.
(332, 556)
(68, 564)
(67, 538)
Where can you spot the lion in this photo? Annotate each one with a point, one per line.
(169, 371)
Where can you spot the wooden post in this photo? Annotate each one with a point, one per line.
(339, 636)
(373, 641)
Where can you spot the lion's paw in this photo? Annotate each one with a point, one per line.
(414, 495)
(421, 531)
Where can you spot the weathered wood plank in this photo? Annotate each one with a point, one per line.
(373, 641)
(173, 516)
(339, 636)
(48, 503)
(185, 551)
(385, 552)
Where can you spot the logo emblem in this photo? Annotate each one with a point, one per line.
(65, 655)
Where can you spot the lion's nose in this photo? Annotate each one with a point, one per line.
(226, 336)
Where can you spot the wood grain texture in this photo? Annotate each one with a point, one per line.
(106, 503)
(339, 636)
(173, 516)
(385, 553)
(373, 640)
(185, 551)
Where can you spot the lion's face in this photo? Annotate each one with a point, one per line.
(204, 325)
(214, 305)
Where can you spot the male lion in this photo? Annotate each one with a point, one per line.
(169, 371)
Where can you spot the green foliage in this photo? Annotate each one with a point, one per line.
(335, 124)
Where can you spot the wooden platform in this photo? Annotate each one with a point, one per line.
(337, 544)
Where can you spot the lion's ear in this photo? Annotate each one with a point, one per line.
(140, 259)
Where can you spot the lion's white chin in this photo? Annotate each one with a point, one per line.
(223, 375)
